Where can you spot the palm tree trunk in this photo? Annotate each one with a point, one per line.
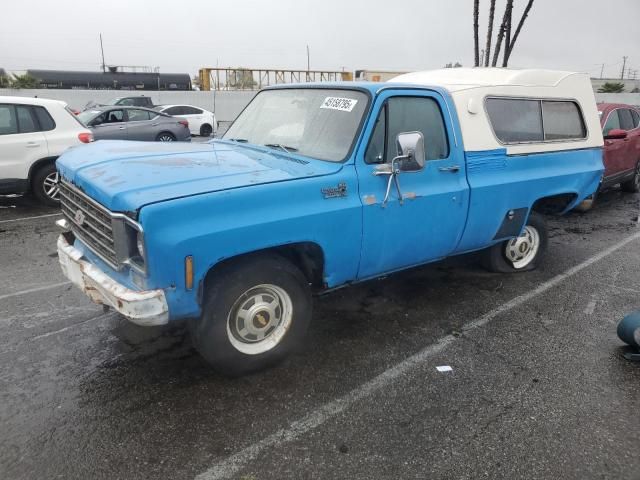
(492, 10)
(503, 28)
(512, 43)
(476, 46)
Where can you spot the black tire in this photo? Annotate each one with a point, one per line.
(233, 287)
(206, 130)
(496, 259)
(42, 188)
(165, 137)
(633, 185)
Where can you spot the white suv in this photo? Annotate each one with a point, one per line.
(201, 122)
(33, 133)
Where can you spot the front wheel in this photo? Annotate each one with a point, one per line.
(522, 253)
(256, 311)
(206, 130)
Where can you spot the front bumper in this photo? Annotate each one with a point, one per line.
(145, 308)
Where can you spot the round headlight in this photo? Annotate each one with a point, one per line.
(140, 244)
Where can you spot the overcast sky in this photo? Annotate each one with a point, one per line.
(182, 36)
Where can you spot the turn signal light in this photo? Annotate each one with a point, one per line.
(85, 137)
(188, 272)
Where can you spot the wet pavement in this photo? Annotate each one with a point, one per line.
(538, 387)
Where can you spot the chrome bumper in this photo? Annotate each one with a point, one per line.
(145, 308)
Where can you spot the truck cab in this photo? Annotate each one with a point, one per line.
(318, 186)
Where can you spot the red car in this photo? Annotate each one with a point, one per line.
(621, 131)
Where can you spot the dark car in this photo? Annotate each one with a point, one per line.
(621, 131)
(134, 123)
(137, 101)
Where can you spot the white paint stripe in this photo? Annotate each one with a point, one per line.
(102, 316)
(590, 308)
(233, 464)
(31, 218)
(32, 290)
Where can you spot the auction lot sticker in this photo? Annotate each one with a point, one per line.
(337, 103)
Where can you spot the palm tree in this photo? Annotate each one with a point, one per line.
(611, 87)
(476, 9)
(492, 11)
(24, 81)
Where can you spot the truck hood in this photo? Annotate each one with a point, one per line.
(124, 176)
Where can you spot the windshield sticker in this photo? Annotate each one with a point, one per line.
(337, 103)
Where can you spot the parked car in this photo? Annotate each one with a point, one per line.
(33, 133)
(201, 122)
(136, 101)
(133, 123)
(315, 187)
(621, 130)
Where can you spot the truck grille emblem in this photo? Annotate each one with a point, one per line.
(79, 217)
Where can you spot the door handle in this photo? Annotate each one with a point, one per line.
(32, 144)
(452, 169)
(121, 128)
(155, 124)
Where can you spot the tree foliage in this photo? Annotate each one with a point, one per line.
(24, 81)
(611, 87)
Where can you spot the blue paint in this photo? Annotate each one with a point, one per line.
(221, 199)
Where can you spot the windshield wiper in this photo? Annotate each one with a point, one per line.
(239, 140)
(283, 147)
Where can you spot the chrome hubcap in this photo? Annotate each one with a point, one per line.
(259, 319)
(50, 185)
(522, 250)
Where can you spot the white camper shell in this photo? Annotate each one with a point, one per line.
(473, 88)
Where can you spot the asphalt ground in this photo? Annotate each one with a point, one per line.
(538, 386)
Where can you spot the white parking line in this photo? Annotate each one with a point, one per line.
(231, 465)
(31, 218)
(32, 290)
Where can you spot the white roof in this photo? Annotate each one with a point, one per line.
(32, 101)
(469, 88)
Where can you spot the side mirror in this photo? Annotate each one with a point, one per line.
(616, 133)
(411, 155)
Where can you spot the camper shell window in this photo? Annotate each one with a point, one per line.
(527, 120)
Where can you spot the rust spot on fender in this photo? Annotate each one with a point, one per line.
(369, 199)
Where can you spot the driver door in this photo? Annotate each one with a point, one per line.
(110, 126)
(428, 222)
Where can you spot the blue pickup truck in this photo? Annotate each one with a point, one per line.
(318, 186)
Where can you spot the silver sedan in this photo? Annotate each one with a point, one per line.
(134, 123)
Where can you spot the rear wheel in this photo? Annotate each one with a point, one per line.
(632, 185)
(256, 311)
(45, 185)
(165, 137)
(522, 253)
(206, 130)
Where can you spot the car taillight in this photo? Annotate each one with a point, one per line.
(85, 137)
(184, 122)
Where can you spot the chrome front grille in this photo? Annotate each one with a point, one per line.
(91, 222)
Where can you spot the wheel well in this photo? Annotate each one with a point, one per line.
(163, 132)
(37, 165)
(553, 204)
(307, 256)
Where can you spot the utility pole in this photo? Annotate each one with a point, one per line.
(602, 71)
(308, 61)
(102, 50)
(624, 64)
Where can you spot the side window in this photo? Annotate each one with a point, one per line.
(173, 111)
(114, 116)
(45, 120)
(127, 102)
(138, 115)
(191, 111)
(626, 120)
(636, 118)
(515, 120)
(613, 122)
(8, 120)
(375, 149)
(421, 114)
(562, 121)
(26, 122)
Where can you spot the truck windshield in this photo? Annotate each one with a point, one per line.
(315, 122)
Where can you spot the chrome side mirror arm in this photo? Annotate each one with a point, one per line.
(392, 171)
